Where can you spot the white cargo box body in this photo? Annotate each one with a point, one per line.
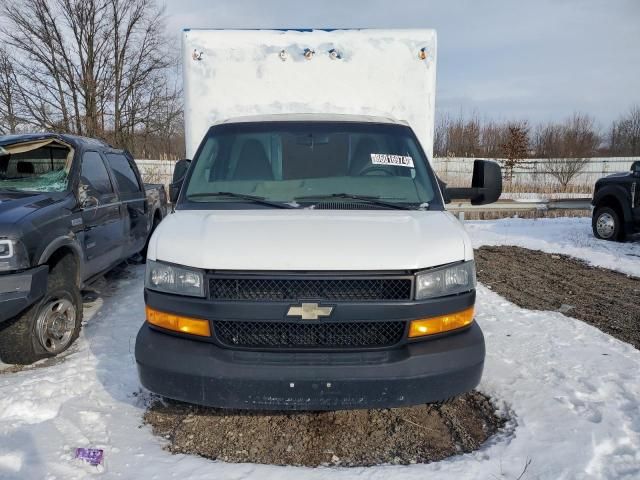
(232, 73)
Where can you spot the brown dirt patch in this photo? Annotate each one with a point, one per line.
(347, 438)
(535, 280)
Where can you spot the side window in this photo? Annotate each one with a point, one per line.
(94, 180)
(123, 171)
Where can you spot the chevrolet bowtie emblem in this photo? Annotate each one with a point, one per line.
(309, 311)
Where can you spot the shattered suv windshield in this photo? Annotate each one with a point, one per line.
(311, 164)
(37, 166)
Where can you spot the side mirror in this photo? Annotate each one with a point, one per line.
(635, 168)
(486, 184)
(85, 197)
(179, 172)
(90, 202)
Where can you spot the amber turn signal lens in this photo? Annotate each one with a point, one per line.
(192, 326)
(440, 324)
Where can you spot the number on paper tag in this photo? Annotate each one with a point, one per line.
(395, 160)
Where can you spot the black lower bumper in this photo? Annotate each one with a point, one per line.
(18, 291)
(201, 372)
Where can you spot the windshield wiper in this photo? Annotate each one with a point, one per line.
(364, 198)
(242, 196)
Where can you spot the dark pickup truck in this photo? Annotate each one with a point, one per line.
(71, 208)
(616, 202)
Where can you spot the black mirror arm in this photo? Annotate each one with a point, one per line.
(486, 185)
(474, 195)
(465, 193)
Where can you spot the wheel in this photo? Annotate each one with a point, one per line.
(50, 326)
(606, 224)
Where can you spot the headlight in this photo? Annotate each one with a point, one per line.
(13, 255)
(446, 280)
(173, 279)
(6, 249)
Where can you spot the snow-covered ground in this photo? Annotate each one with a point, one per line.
(568, 236)
(573, 392)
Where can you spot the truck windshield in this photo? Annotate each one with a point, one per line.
(310, 162)
(37, 166)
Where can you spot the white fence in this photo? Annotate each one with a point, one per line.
(535, 171)
(454, 169)
(156, 171)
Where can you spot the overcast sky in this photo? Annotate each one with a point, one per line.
(505, 59)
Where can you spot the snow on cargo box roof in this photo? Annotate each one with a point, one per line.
(389, 74)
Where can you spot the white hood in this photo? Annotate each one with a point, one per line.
(310, 239)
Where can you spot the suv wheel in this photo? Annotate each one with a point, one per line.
(606, 224)
(50, 326)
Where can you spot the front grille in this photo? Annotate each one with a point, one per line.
(331, 289)
(290, 335)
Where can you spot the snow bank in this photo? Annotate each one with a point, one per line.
(567, 236)
(572, 390)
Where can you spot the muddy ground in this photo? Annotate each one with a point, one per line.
(345, 438)
(535, 280)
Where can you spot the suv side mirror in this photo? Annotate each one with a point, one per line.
(486, 185)
(179, 172)
(635, 168)
(89, 202)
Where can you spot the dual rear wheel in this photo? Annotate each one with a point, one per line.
(607, 224)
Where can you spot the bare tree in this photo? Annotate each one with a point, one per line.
(440, 135)
(516, 147)
(40, 58)
(457, 137)
(469, 137)
(99, 68)
(89, 27)
(625, 134)
(141, 61)
(8, 95)
(567, 147)
(493, 136)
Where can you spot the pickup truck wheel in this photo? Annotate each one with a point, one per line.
(49, 327)
(606, 224)
(56, 323)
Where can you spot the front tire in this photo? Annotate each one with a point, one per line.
(49, 327)
(606, 224)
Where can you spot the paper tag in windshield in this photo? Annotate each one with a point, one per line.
(396, 160)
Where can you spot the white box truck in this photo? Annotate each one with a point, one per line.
(310, 263)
